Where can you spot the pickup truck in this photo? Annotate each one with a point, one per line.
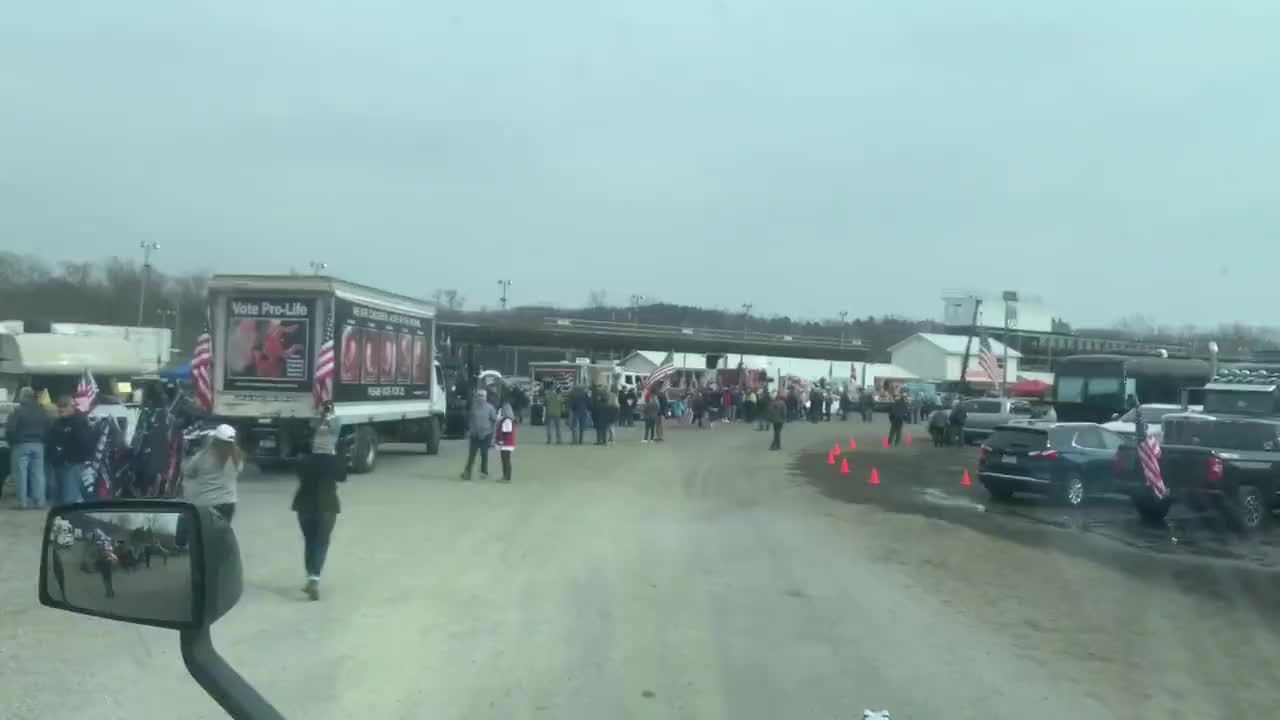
(984, 415)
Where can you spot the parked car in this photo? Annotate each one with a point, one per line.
(984, 415)
(1152, 414)
(1068, 461)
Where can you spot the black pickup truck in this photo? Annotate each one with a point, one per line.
(1225, 459)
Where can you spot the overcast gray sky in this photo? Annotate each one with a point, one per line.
(1111, 157)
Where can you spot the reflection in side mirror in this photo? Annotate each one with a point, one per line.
(138, 564)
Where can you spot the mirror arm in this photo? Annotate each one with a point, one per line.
(224, 684)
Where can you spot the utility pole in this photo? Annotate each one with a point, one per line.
(746, 315)
(318, 267)
(147, 249)
(1009, 296)
(844, 320)
(506, 284)
(968, 342)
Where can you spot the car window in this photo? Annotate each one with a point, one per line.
(1020, 409)
(1110, 440)
(982, 406)
(1089, 437)
(1069, 389)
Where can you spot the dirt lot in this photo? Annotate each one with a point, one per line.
(705, 577)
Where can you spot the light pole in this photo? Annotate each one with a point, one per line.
(1009, 296)
(844, 319)
(147, 249)
(506, 285)
(635, 308)
(167, 314)
(318, 267)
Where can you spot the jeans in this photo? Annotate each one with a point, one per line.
(506, 465)
(317, 528)
(70, 483)
(657, 428)
(895, 432)
(777, 436)
(478, 445)
(649, 428)
(553, 421)
(28, 473)
(578, 425)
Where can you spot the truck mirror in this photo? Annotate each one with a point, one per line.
(148, 562)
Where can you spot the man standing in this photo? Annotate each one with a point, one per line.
(481, 421)
(70, 446)
(552, 409)
(26, 431)
(579, 406)
(662, 413)
(777, 415)
(897, 416)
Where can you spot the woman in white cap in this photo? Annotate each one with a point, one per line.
(211, 475)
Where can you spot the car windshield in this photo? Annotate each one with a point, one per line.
(593, 359)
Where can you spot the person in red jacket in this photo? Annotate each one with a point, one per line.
(505, 439)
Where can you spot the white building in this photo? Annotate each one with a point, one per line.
(934, 356)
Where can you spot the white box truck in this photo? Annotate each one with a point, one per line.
(267, 331)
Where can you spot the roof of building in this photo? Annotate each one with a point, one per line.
(682, 360)
(955, 344)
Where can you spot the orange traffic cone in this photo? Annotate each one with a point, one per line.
(831, 459)
(884, 442)
(964, 480)
(875, 477)
(853, 444)
(835, 449)
(907, 437)
(844, 466)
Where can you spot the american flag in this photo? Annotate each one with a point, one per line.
(202, 369)
(1149, 457)
(86, 391)
(323, 387)
(666, 369)
(987, 360)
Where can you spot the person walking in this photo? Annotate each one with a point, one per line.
(868, 403)
(662, 415)
(956, 421)
(699, 405)
(579, 407)
(69, 447)
(316, 500)
(26, 430)
(777, 415)
(481, 420)
(611, 416)
(898, 414)
(505, 439)
(938, 427)
(650, 412)
(553, 408)
(212, 475)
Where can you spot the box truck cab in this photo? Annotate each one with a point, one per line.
(267, 334)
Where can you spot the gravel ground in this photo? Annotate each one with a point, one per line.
(703, 577)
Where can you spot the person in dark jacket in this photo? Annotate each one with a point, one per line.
(579, 409)
(956, 420)
(777, 414)
(699, 405)
(662, 414)
(70, 447)
(898, 415)
(867, 402)
(316, 500)
(26, 430)
(553, 408)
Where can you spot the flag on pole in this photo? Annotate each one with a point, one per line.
(322, 389)
(1149, 458)
(660, 374)
(86, 391)
(987, 360)
(202, 369)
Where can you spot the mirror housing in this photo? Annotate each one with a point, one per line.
(197, 580)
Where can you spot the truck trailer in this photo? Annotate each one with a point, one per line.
(267, 332)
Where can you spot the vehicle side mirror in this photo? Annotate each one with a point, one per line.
(163, 563)
(1115, 416)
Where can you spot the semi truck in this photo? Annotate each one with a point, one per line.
(267, 332)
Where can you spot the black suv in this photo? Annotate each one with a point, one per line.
(1067, 461)
(1226, 458)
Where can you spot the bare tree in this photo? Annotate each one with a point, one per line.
(598, 299)
(449, 299)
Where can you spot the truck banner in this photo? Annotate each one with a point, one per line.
(269, 343)
(385, 355)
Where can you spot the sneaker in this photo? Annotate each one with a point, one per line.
(312, 589)
(643, 442)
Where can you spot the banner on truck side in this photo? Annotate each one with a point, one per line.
(385, 355)
(269, 343)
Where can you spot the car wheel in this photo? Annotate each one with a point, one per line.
(1073, 493)
(365, 451)
(1248, 512)
(433, 436)
(999, 491)
(1151, 510)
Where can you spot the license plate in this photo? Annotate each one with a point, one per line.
(267, 442)
(1010, 459)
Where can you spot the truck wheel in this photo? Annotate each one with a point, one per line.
(433, 436)
(1151, 510)
(1248, 510)
(364, 453)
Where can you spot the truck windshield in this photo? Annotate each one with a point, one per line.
(1245, 402)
